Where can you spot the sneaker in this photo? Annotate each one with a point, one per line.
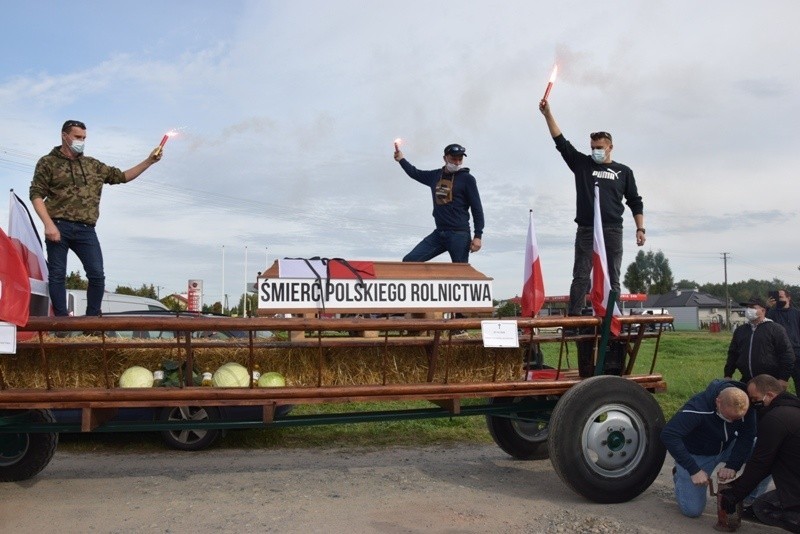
(459, 334)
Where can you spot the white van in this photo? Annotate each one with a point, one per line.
(112, 303)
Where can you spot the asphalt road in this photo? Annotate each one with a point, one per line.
(459, 489)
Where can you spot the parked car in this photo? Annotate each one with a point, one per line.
(172, 334)
(112, 303)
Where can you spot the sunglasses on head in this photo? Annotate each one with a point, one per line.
(70, 124)
(600, 135)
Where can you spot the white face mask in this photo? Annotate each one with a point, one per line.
(598, 155)
(452, 167)
(724, 418)
(77, 146)
(751, 314)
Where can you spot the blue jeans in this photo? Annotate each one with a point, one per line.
(691, 498)
(81, 239)
(456, 242)
(582, 266)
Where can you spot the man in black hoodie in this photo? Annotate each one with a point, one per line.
(455, 193)
(713, 426)
(616, 182)
(777, 452)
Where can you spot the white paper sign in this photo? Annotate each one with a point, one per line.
(8, 338)
(500, 334)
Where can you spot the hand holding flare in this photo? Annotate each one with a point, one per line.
(550, 83)
(397, 154)
(160, 147)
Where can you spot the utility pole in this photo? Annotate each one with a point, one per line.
(727, 298)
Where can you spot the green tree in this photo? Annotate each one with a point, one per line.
(173, 304)
(143, 291)
(74, 281)
(509, 309)
(649, 273)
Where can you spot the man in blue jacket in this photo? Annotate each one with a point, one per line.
(714, 426)
(455, 193)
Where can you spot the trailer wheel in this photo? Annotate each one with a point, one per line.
(187, 439)
(522, 435)
(23, 455)
(605, 439)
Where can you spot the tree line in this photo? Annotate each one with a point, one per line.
(651, 274)
(76, 281)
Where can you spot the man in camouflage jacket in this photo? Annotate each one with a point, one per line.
(65, 193)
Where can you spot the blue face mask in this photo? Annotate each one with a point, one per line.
(598, 155)
(77, 147)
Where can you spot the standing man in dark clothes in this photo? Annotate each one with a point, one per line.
(760, 346)
(781, 311)
(455, 193)
(616, 182)
(65, 193)
(777, 452)
(713, 426)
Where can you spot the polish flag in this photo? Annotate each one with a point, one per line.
(15, 289)
(26, 240)
(28, 246)
(533, 283)
(601, 285)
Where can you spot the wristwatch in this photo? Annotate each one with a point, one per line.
(641, 230)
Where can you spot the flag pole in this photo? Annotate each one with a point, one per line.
(605, 332)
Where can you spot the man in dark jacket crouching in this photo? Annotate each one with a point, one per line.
(777, 452)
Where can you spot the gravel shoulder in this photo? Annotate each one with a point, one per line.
(444, 489)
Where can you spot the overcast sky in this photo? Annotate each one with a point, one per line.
(287, 113)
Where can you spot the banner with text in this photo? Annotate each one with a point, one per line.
(294, 293)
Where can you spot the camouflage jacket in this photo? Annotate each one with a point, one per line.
(71, 188)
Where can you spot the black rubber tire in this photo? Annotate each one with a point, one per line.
(188, 439)
(24, 455)
(605, 439)
(521, 439)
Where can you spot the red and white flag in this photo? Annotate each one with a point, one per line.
(601, 284)
(29, 247)
(15, 289)
(25, 240)
(533, 283)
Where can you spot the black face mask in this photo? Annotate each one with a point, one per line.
(758, 405)
(782, 304)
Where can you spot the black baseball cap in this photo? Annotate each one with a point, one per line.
(754, 301)
(455, 150)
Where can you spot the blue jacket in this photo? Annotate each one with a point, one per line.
(453, 215)
(697, 430)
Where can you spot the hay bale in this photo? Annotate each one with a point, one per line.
(74, 368)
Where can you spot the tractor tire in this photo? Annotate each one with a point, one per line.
(24, 455)
(605, 439)
(517, 434)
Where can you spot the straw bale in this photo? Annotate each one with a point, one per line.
(69, 367)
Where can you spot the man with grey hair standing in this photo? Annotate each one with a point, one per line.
(760, 346)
